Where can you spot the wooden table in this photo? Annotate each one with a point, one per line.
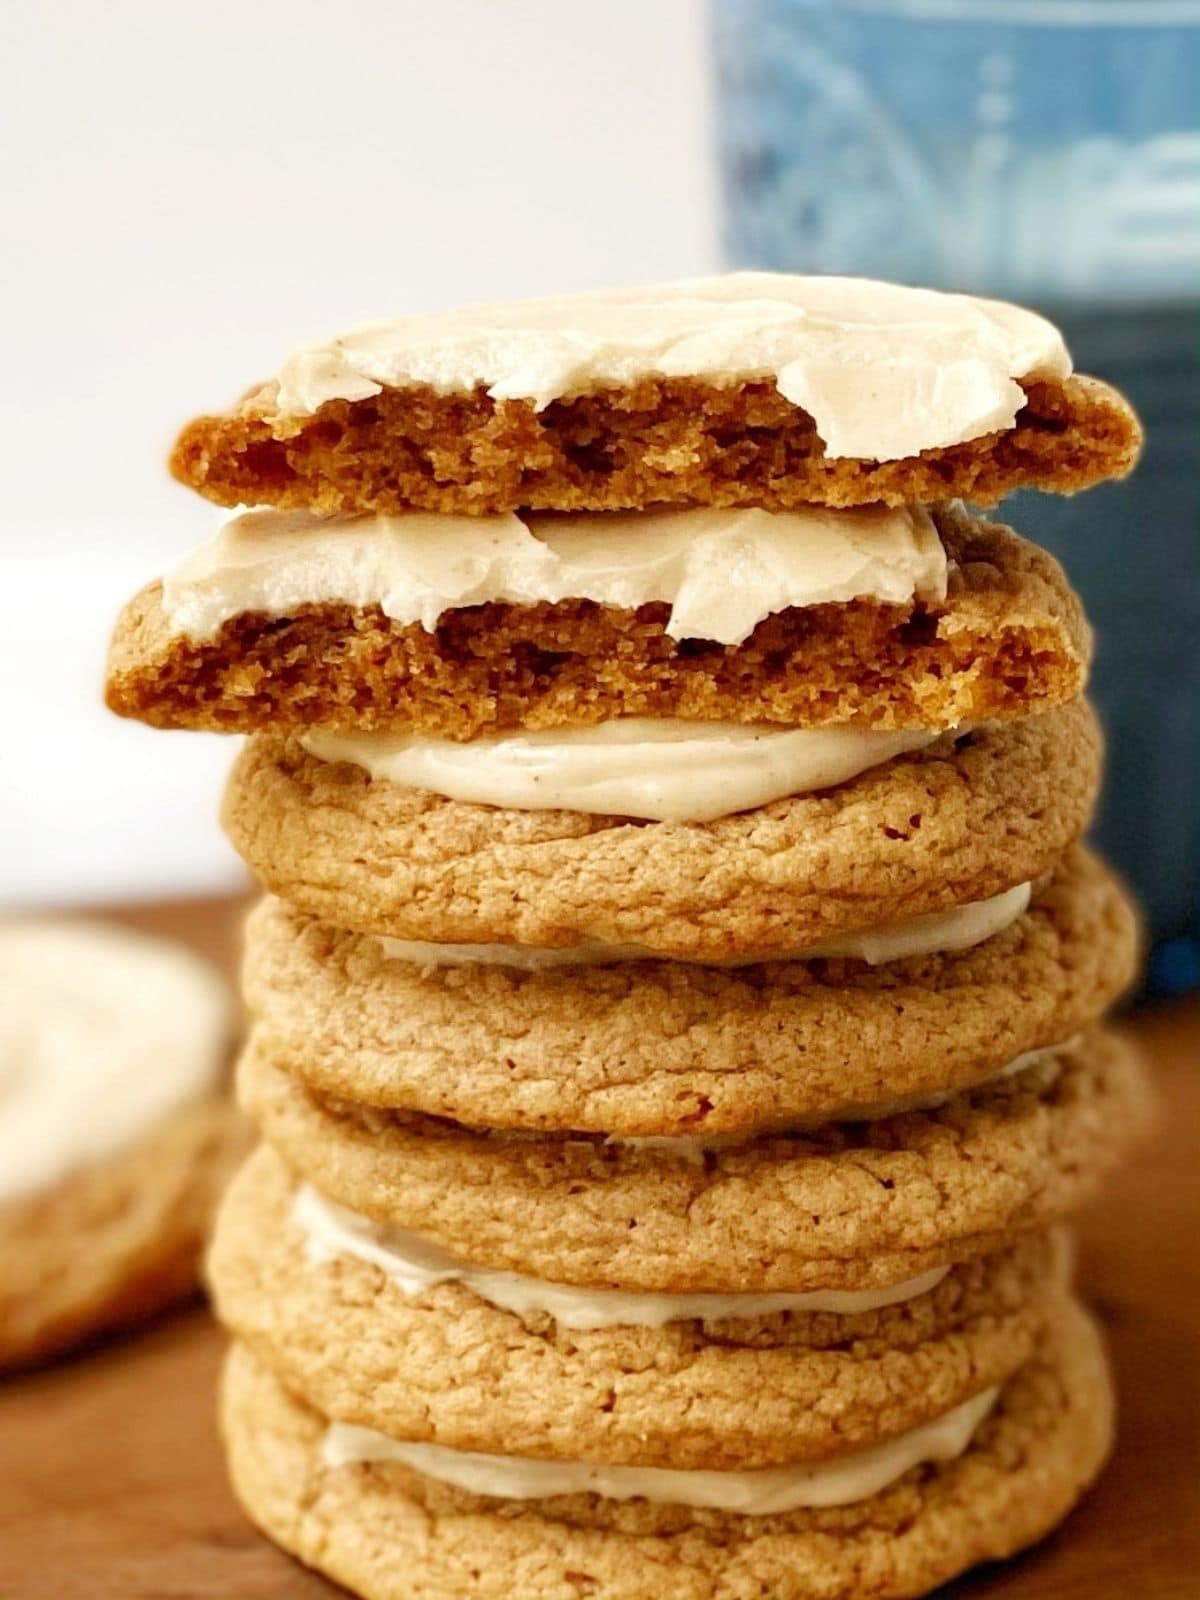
(112, 1487)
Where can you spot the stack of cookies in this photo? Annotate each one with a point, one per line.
(677, 994)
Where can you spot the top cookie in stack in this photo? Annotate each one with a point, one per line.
(754, 389)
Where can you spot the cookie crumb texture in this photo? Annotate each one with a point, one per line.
(960, 821)
(656, 442)
(118, 1242)
(1009, 640)
(388, 1533)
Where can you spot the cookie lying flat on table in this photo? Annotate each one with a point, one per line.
(371, 1523)
(367, 1329)
(755, 389)
(845, 1205)
(456, 627)
(652, 1047)
(960, 821)
(116, 1129)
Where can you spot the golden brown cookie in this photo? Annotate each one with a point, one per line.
(390, 1533)
(679, 441)
(117, 1129)
(447, 1366)
(117, 1241)
(654, 1047)
(1009, 639)
(959, 821)
(847, 1205)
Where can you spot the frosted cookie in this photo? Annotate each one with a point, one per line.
(750, 389)
(117, 1242)
(116, 1135)
(452, 627)
(963, 820)
(652, 1047)
(845, 1205)
(371, 1327)
(993, 1480)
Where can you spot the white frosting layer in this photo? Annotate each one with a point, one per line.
(935, 933)
(769, 1491)
(415, 1264)
(721, 571)
(104, 1032)
(661, 769)
(884, 371)
(938, 932)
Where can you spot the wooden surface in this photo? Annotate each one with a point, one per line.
(112, 1488)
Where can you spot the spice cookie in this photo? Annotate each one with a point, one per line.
(395, 1533)
(116, 1242)
(846, 1205)
(257, 630)
(656, 1047)
(362, 1335)
(758, 389)
(116, 1137)
(961, 821)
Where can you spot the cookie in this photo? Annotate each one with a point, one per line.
(392, 1533)
(117, 1242)
(445, 1365)
(1008, 639)
(845, 1205)
(116, 1132)
(654, 1047)
(962, 820)
(752, 389)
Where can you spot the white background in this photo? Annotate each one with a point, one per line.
(187, 194)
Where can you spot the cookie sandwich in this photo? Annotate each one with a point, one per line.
(678, 998)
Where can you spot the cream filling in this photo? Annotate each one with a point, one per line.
(721, 571)
(885, 371)
(104, 1032)
(658, 769)
(766, 1492)
(414, 1265)
(936, 933)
